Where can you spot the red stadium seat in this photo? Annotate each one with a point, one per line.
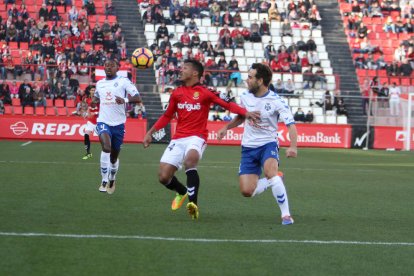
(71, 111)
(59, 103)
(70, 103)
(13, 45)
(8, 109)
(18, 110)
(40, 110)
(49, 102)
(50, 111)
(15, 102)
(29, 110)
(405, 81)
(61, 111)
(24, 46)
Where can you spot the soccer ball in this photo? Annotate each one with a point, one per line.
(142, 58)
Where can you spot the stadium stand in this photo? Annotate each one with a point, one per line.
(54, 50)
(189, 31)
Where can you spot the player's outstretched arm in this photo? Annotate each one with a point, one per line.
(232, 124)
(134, 99)
(292, 151)
(148, 137)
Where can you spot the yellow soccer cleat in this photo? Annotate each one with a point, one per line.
(192, 210)
(178, 201)
(110, 189)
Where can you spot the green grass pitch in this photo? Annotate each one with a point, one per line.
(353, 210)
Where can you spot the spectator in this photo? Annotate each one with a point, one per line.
(177, 17)
(14, 90)
(43, 12)
(341, 108)
(286, 28)
(109, 8)
(255, 32)
(360, 62)
(73, 14)
(299, 115)
(362, 30)
(5, 95)
(27, 98)
(227, 117)
(195, 40)
(264, 27)
(191, 27)
(406, 68)
(394, 101)
(289, 88)
(162, 32)
(383, 95)
(90, 7)
(309, 117)
(237, 20)
(227, 19)
(54, 14)
(393, 69)
(216, 117)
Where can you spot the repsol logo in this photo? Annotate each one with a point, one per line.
(57, 129)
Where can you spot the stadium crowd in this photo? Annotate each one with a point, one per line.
(57, 46)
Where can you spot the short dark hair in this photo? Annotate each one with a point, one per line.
(111, 59)
(263, 72)
(196, 66)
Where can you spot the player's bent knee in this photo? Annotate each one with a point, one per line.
(247, 192)
(164, 178)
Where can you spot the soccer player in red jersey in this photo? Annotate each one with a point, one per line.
(91, 114)
(191, 102)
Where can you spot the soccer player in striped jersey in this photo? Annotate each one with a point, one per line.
(191, 102)
(112, 93)
(260, 147)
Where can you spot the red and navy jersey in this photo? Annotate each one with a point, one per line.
(192, 106)
(93, 112)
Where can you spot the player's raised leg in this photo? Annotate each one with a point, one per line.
(87, 143)
(105, 139)
(112, 176)
(169, 180)
(278, 189)
(116, 142)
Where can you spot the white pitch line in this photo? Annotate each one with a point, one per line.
(200, 166)
(25, 144)
(200, 240)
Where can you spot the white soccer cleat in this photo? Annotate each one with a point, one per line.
(103, 187)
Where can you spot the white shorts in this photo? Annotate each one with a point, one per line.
(176, 151)
(90, 128)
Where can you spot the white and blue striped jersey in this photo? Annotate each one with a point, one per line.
(271, 107)
(110, 112)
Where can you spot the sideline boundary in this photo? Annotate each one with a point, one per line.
(198, 240)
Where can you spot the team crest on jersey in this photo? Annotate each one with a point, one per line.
(196, 95)
(116, 84)
(108, 96)
(268, 107)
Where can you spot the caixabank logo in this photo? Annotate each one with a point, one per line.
(19, 128)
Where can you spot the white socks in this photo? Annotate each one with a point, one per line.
(114, 170)
(105, 160)
(261, 186)
(279, 193)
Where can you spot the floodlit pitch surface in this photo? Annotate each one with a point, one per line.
(353, 210)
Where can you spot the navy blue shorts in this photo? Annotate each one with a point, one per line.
(253, 159)
(116, 133)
